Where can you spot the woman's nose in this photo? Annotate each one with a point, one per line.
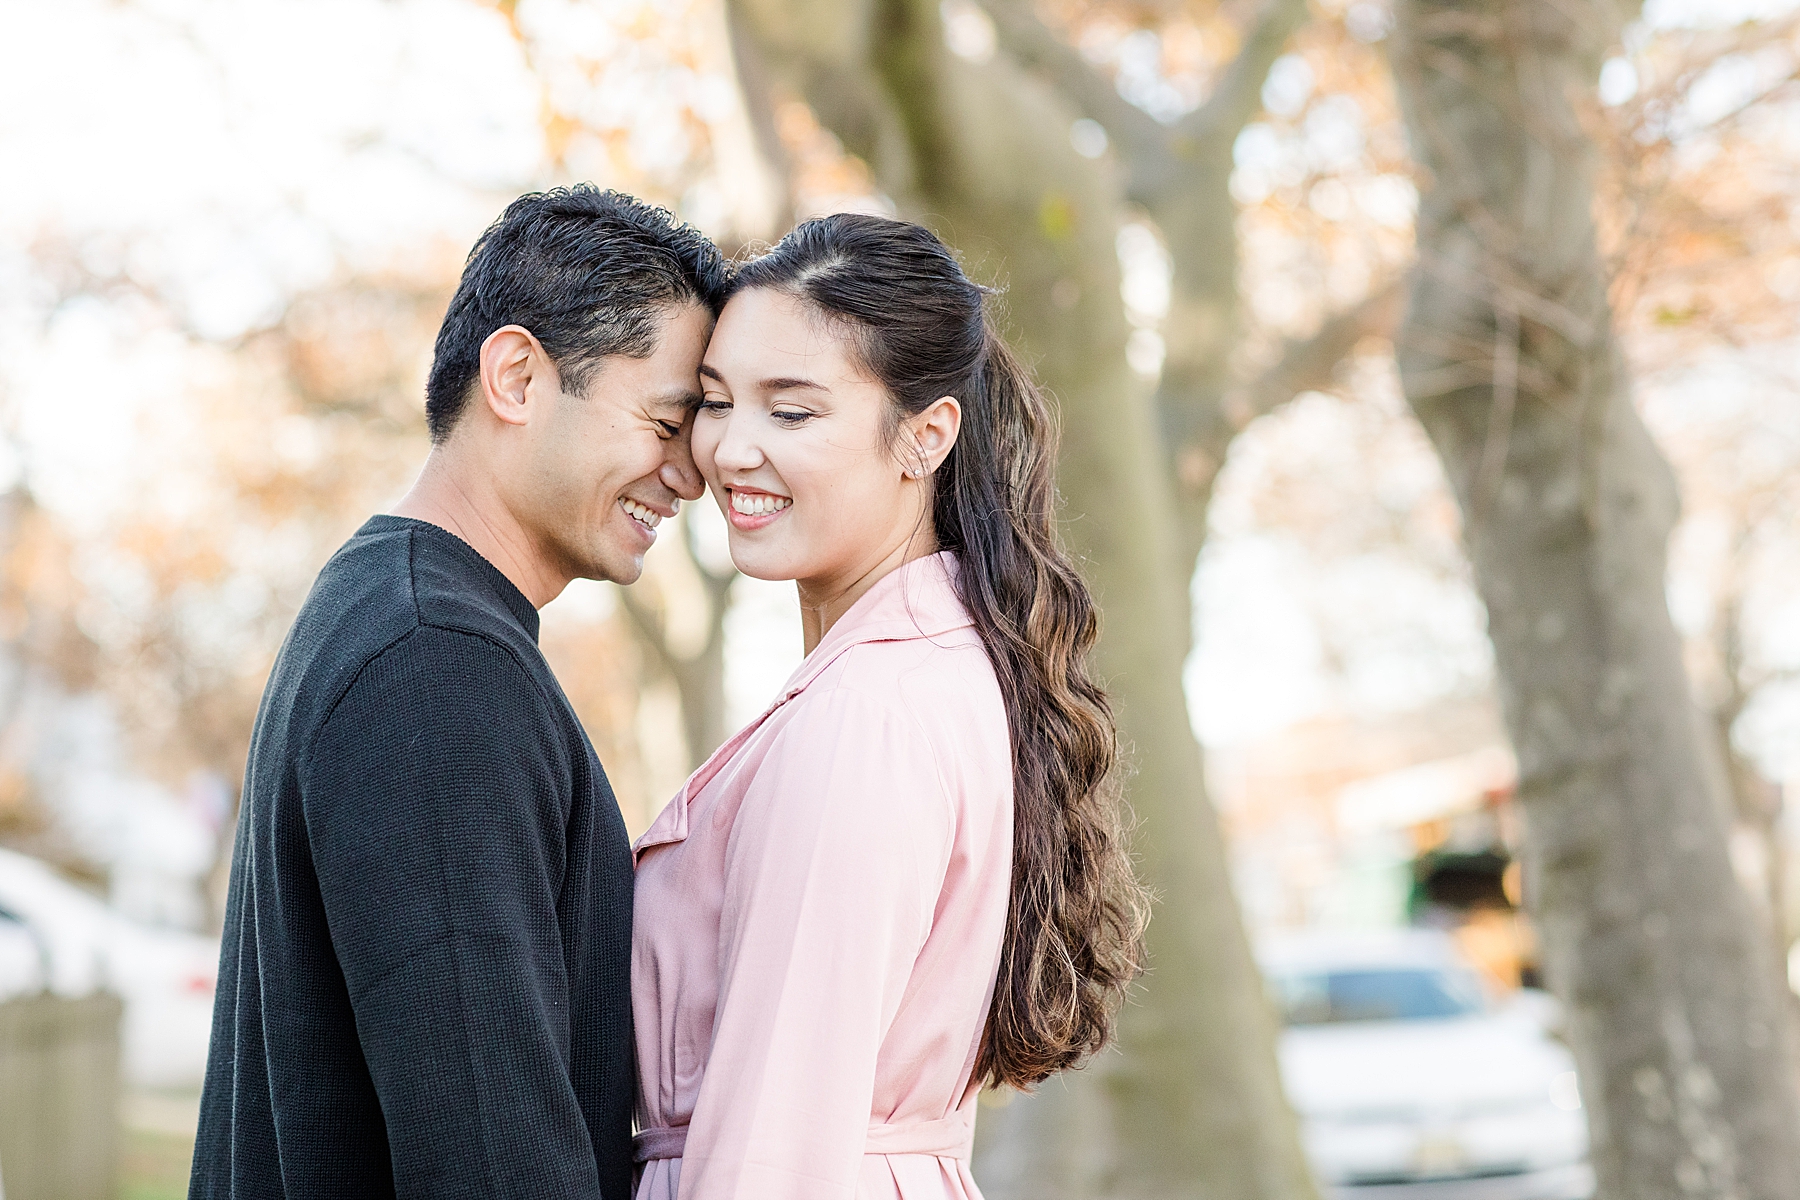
(738, 449)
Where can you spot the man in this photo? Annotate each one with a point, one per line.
(424, 984)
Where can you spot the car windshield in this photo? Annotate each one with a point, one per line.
(1382, 994)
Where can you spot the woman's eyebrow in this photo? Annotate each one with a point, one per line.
(780, 383)
(787, 383)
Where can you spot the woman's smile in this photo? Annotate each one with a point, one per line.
(752, 509)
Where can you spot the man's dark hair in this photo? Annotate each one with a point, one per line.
(589, 273)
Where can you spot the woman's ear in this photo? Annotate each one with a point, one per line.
(933, 436)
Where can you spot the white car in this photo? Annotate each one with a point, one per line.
(1412, 1082)
(57, 937)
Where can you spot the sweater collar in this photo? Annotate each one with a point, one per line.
(504, 588)
(917, 600)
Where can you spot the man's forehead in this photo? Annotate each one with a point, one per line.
(667, 377)
(683, 327)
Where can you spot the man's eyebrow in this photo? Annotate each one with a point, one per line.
(683, 399)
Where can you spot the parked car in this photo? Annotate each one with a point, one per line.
(62, 939)
(1412, 1081)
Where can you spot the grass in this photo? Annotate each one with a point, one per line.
(154, 1166)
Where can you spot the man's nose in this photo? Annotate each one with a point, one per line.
(678, 472)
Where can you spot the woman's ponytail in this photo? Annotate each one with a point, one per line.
(1074, 928)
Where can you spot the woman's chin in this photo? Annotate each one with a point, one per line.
(761, 566)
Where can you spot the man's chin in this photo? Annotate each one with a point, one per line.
(624, 571)
(622, 567)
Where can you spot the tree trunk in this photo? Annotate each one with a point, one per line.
(1192, 1103)
(1508, 357)
(698, 671)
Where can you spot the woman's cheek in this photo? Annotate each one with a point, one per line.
(705, 446)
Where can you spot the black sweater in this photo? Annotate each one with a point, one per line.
(424, 984)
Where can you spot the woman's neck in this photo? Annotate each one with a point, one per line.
(823, 602)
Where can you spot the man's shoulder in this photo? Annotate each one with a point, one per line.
(394, 597)
(361, 603)
(370, 573)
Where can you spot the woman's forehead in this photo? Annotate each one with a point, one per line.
(768, 335)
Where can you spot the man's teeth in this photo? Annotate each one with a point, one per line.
(639, 513)
(757, 504)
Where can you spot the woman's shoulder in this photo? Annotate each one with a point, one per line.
(943, 688)
(942, 667)
(915, 720)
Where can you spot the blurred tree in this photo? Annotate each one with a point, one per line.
(978, 136)
(1739, 459)
(41, 648)
(680, 618)
(1696, 208)
(171, 604)
(1508, 356)
(1727, 690)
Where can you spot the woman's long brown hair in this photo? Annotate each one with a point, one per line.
(1075, 920)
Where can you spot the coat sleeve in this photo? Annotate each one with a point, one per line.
(436, 797)
(833, 871)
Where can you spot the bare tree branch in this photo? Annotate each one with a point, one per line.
(718, 583)
(700, 674)
(1239, 94)
(754, 85)
(1037, 46)
(1307, 364)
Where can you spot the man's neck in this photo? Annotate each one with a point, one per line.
(454, 497)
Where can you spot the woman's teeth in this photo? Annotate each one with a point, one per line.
(639, 513)
(757, 505)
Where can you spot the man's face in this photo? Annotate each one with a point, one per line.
(609, 465)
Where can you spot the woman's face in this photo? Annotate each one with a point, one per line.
(794, 440)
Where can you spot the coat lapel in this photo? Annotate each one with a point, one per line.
(918, 600)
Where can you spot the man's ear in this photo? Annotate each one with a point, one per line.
(933, 434)
(512, 359)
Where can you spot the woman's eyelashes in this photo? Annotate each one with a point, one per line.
(715, 405)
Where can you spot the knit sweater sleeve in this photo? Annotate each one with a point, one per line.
(436, 798)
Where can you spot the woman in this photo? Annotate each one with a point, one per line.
(906, 878)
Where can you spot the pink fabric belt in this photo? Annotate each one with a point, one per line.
(951, 1137)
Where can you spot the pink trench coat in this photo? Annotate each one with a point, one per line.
(818, 922)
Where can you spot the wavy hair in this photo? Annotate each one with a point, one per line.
(1074, 929)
